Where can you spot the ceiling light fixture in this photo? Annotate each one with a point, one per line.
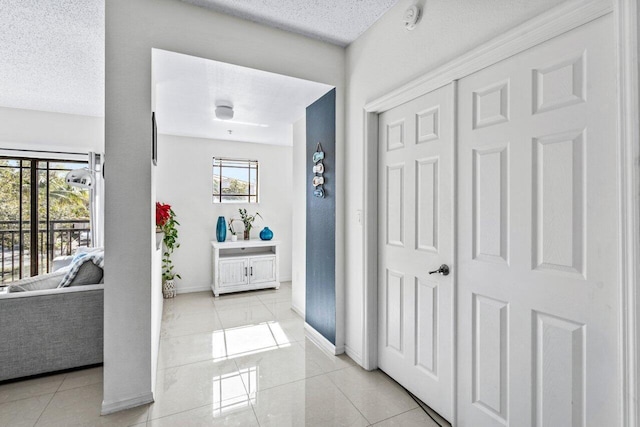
(236, 122)
(82, 178)
(224, 112)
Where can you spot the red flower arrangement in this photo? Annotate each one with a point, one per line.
(163, 213)
(166, 222)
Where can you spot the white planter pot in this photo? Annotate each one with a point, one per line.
(234, 238)
(168, 289)
(159, 239)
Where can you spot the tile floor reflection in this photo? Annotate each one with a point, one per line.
(238, 360)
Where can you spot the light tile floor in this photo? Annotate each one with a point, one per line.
(238, 360)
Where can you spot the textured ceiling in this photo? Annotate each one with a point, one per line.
(335, 21)
(52, 55)
(187, 90)
(52, 51)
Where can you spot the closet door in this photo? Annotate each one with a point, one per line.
(415, 194)
(537, 243)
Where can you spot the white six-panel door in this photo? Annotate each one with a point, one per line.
(415, 236)
(537, 239)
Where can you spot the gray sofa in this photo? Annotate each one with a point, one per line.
(50, 330)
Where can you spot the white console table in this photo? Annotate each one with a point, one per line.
(244, 265)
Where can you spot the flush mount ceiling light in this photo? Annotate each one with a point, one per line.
(82, 178)
(224, 112)
(237, 122)
(411, 17)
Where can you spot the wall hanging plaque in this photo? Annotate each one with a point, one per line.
(318, 155)
(318, 170)
(154, 139)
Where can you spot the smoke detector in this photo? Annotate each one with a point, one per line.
(224, 112)
(411, 17)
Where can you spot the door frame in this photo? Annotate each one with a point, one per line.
(546, 26)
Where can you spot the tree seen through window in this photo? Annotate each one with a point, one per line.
(235, 181)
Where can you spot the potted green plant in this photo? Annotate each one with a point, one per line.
(166, 221)
(247, 220)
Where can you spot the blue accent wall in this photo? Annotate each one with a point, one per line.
(321, 220)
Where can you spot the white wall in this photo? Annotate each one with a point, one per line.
(184, 181)
(43, 130)
(157, 304)
(133, 28)
(299, 222)
(387, 56)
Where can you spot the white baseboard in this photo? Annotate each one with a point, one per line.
(297, 309)
(285, 279)
(354, 355)
(121, 405)
(323, 343)
(190, 289)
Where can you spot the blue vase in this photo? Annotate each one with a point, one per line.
(221, 229)
(266, 234)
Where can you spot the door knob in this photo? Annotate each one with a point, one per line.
(444, 270)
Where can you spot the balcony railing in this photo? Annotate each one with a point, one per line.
(61, 238)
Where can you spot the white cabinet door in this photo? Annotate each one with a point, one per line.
(262, 269)
(537, 239)
(416, 215)
(233, 272)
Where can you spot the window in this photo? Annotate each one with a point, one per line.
(41, 217)
(235, 181)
